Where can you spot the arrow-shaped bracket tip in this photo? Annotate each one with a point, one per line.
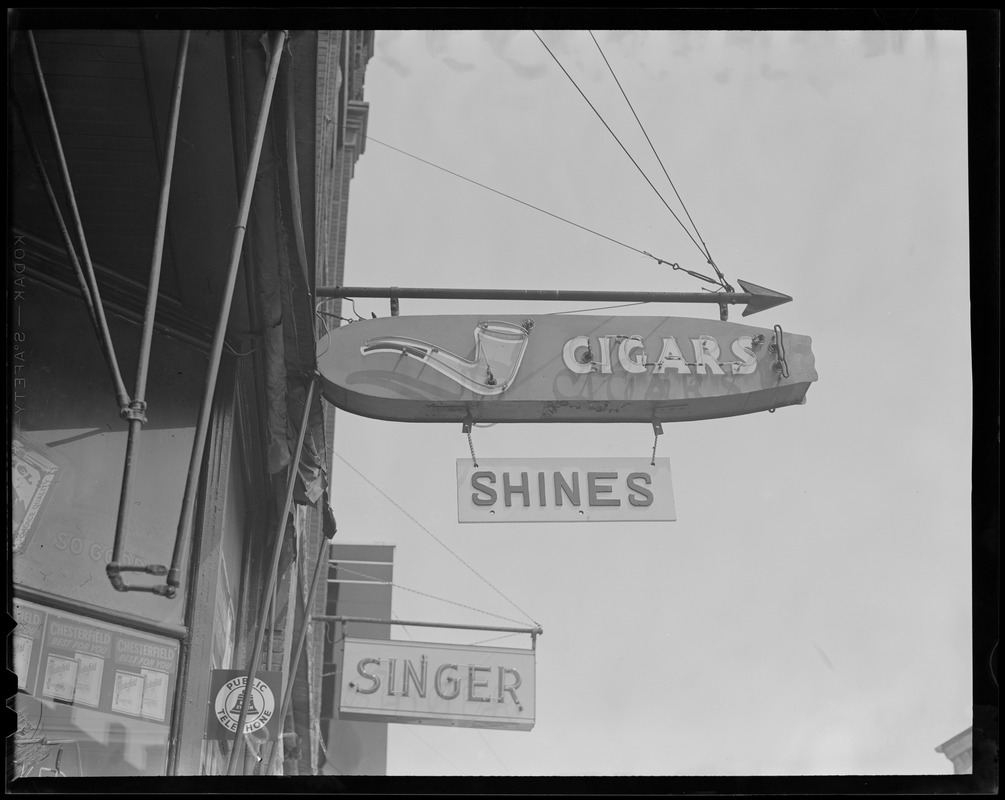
(763, 298)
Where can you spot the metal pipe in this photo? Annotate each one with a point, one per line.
(557, 295)
(272, 627)
(50, 194)
(537, 630)
(139, 396)
(277, 547)
(98, 312)
(295, 664)
(195, 464)
(136, 412)
(112, 571)
(757, 298)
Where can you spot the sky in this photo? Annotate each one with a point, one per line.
(809, 612)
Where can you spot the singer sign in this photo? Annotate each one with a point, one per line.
(437, 684)
(561, 368)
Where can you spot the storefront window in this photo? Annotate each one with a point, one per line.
(68, 452)
(94, 698)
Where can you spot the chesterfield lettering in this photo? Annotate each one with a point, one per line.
(133, 648)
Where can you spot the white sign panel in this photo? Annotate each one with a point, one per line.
(437, 684)
(565, 490)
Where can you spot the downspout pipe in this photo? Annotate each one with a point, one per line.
(298, 652)
(135, 413)
(90, 285)
(294, 470)
(216, 351)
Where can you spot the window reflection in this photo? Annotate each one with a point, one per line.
(68, 452)
(65, 741)
(94, 698)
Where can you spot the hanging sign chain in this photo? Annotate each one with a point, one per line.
(466, 427)
(657, 430)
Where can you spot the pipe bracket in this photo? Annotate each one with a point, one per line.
(113, 570)
(136, 410)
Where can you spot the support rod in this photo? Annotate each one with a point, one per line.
(558, 295)
(136, 412)
(756, 297)
(294, 470)
(161, 230)
(272, 628)
(93, 296)
(298, 652)
(537, 630)
(216, 351)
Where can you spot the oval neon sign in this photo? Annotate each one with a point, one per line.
(561, 368)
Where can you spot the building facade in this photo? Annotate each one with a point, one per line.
(175, 199)
(360, 579)
(960, 750)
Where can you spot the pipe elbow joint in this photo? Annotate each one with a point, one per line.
(112, 571)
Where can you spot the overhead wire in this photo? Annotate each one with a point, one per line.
(704, 246)
(427, 744)
(596, 308)
(630, 157)
(324, 749)
(352, 302)
(493, 751)
(321, 315)
(611, 239)
(395, 584)
(324, 323)
(492, 639)
(369, 138)
(393, 502)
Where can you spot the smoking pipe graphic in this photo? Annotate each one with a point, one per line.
(499, 349)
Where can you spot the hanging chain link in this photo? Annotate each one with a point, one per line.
(657, 430)
(471, 447)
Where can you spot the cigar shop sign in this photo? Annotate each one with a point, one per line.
(560, 368)
(437, 684)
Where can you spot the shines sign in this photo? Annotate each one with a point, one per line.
(565, 490)
(437, 684)
(560, 368)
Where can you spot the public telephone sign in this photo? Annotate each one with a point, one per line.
(565, 490)
(561, 368)
(228, 695)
